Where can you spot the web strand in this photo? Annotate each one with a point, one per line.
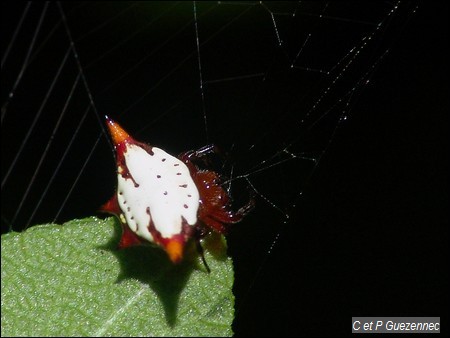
(36, 118)
(202, 94)
(46, 150)
(25, 62)
(257, 77)
(16, 32)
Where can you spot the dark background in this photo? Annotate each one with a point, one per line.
(371, 233)
(368, 234)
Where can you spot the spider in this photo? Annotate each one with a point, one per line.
(165, 200)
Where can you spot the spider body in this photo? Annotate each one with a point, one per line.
(165, 200)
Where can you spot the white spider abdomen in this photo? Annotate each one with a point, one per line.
(160, 190)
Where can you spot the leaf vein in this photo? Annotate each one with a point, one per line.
(101, 331)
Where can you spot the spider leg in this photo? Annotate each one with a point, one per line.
(244, 210)
(203, 151)
(201, 253)
(199, 154)
(212, 222)
(223, 215)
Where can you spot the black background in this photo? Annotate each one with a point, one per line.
(370, 232)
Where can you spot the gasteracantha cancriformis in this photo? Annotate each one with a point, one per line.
(165, 200)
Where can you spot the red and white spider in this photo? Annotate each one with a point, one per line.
(165, 200)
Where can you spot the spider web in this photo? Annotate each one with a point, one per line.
(272, 84)
(234, 73)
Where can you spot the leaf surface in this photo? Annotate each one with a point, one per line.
(67, 280)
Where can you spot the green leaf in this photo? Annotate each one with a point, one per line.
(70, 280)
